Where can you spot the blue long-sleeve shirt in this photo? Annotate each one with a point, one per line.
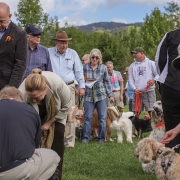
(67, 65)
(38, 58)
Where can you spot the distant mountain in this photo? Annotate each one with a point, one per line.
(111, 26)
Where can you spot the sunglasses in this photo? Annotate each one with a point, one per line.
(95, 57)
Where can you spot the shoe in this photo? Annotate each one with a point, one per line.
(100, 142)
(84, 142)
(95, 138)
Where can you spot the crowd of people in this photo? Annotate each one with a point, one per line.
(39, 86)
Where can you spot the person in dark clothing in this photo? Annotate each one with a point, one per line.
(169, 81)
(13, 50)
(20, 135)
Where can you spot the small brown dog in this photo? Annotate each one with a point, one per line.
(112, 114)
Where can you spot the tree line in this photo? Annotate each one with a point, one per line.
(115, 47)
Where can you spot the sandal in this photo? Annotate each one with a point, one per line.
(134, 135)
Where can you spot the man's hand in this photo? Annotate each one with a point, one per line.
(81, 92)
(151, 82)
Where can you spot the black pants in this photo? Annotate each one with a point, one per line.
(171, 109)
(58, 144)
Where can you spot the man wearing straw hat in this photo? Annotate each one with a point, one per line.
(66, 63)
(169, 79)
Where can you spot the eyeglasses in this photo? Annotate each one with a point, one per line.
(95, 57)
(35, 35)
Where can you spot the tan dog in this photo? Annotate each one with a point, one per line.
(167, 162)
(112, 114)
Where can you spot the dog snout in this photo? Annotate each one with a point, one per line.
(157, 110)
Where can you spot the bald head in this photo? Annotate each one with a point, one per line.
(4, 7)
(5, 15)
(85, 59)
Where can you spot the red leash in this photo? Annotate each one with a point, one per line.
(138, 100)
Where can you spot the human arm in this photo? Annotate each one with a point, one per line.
(20, 60)
(131, 78)
(78, 72)
(49, 65)
(171, 134)
(47, 124)
(161, 54)
(121, 91)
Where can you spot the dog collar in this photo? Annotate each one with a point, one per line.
(159, 151)
(160, 125)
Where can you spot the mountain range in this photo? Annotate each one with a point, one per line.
(111, 26)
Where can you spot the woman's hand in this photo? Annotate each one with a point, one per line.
(111, 100)
(45, 126)
(171, 134)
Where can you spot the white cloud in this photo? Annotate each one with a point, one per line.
(119, 20)
(154, 2)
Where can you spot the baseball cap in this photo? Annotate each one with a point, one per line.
(32, 29)
(137, 49)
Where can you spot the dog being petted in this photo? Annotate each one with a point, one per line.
(167, 161)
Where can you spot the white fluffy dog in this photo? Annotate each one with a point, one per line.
(123, 125)
(158, 132)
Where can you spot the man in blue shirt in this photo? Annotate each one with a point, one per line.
(66, 63)
(38, 55)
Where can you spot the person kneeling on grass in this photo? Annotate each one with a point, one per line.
(20, 155)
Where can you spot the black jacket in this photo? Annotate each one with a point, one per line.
(13, 56)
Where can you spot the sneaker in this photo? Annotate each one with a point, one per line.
(84, 142)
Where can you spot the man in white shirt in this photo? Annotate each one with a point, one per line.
(66, 63)
(142, 77)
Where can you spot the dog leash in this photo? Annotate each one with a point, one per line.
(138, 100)
(94, 88)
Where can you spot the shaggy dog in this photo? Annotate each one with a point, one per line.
(167, 162)
(123, 125)
(158, 132)
(113, 113)
(77, 115)
(141, 125)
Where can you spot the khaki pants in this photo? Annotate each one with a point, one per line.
(41, 166)
(117, 99)
(69, 136)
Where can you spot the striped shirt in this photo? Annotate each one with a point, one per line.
(38, 58)
(115, 80)
(102, 88)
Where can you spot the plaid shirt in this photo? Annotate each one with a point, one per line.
(102, 88)
(115, 80)
(38, 58)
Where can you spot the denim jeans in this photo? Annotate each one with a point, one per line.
(89, 107)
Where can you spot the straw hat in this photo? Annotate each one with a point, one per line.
(61, 36)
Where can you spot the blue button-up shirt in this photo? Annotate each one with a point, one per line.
(102, 88)
(38, 58)
(3, 31)
(67, 65)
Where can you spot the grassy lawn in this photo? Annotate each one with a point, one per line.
(108, 161)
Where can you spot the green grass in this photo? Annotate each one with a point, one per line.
(108, 161)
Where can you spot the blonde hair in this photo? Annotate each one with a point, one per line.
(96, 52)
(9, 92)
(35, 81)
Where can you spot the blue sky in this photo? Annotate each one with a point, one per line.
(82, 12)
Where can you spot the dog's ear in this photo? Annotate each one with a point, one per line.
(111, 114)
(146, 153)
(120, 109)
